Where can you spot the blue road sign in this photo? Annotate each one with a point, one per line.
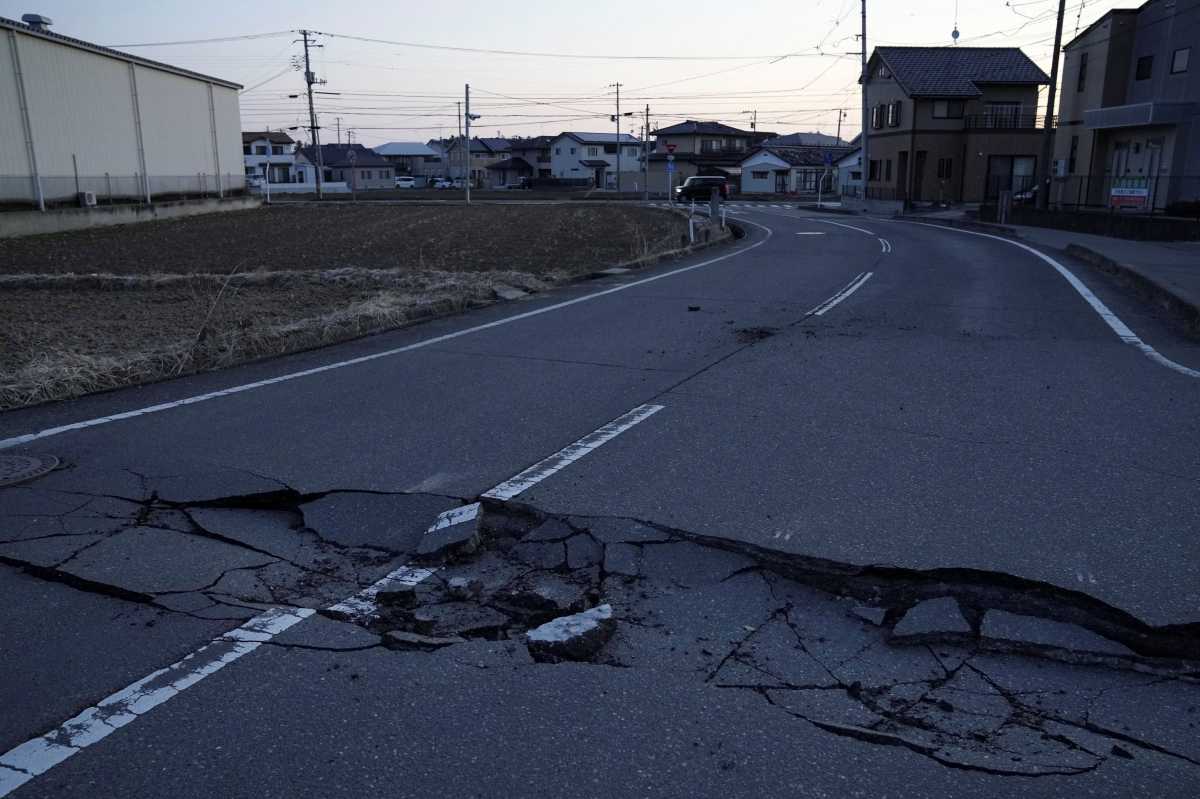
(828, 159)
(670, 166)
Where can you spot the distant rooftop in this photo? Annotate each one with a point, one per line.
(957, 71)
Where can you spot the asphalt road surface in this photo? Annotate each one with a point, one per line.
(829, 393)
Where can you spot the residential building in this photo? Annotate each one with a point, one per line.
(79, 117)
(849, 173)
(812, 139)
(415, 159)
(593, 156)
(952, 124)
(484, 152)
(1130, 109)
(270, 154)
(534, 151)
(789, 170)
(359, 167)
(700, 148)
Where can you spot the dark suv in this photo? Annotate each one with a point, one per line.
(699, 187)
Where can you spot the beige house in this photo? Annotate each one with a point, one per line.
(952, 124)
(359, 167)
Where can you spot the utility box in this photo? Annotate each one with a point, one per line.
(87, 199)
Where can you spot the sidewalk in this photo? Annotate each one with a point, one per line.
(1167, 272)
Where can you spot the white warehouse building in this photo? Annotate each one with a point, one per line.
(76, 117)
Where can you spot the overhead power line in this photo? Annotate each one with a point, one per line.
(268, 35)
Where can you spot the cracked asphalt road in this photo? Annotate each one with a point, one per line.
(940, 538)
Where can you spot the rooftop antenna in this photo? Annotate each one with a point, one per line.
(954, 33)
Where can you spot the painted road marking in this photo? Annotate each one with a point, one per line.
(165, 406)
(885, 245)
(1114, 322)
(571, 453)
(38, 755)
(850, 288)
(811, 233)
(839, 224)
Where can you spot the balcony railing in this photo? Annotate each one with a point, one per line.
(1007, 121)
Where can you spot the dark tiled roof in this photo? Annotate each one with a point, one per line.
(511, 163)
(957, 71)
(803, 156)
(804, 140)
(276, 136)
(599, 138)
(595, 162)
(531, 143)
(693, 126)
(338, 155)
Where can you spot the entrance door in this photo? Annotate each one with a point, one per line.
(902, 174)
(781, 182)
(918, 173)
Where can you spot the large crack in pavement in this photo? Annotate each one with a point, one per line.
(973, 670)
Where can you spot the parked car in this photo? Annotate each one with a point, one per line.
(459, 183)
(699, 187)
(442, 183)
(405, 182)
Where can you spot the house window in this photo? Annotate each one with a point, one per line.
(299, 175)
(1145, 67)
(856, 174)
(945, 168)
(1074, 153)
(572, 151)
(887, 171)
(760, 174)
(276, 149)
(1179, 60)
(1082, 71)
(558, 151)
(245, 149)
(260, 149)
(711, 145)
(877, 117)
(593, 152)
(893, 114)
(874, 170)
(882, 71)
(631, 152)
(947, 109)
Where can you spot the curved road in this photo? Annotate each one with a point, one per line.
(866, 391)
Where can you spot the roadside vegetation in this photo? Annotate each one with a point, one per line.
(102, 308)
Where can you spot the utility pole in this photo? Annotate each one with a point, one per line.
(310, 79)
(458, 110)
(1043, 196)
(339, 129)
(467, 117)
(841, 116)
(646, 158)
(617, 120)
(866, 121)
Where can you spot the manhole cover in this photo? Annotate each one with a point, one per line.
(18, 468)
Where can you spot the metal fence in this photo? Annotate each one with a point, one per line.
(23, 192)
(1173, 195)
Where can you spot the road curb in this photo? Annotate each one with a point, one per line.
(1147, 286)
(984, 227)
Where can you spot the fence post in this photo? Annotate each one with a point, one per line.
(108, 187)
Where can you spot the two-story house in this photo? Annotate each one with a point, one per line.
(484, 152)
(700, 148)
(594, 156)
(359, 167)
(1130, 109)
(270, 154)
(952, 124)
(413, 158)
(529, 158)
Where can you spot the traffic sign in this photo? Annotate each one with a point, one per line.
(670, 166)
(670, 148)
(828, 159)
(670, 157)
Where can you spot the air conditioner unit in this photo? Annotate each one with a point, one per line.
(1060, 167)
(87, 199)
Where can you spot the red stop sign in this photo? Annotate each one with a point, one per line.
(670, 148)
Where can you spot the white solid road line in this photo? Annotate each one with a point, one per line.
(839, 224)
(225, 392)
(850, 288)
(37, 756)
(1122, 330)
(811, 233)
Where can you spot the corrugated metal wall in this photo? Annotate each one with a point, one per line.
(82, 104)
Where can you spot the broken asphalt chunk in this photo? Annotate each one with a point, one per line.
(932, 617)
(464, 588)
(576, 637)
(453, 532)
(458, 618)
(1027, 629)
(402, 639)
(870, 614)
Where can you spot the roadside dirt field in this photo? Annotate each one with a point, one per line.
(98, 309)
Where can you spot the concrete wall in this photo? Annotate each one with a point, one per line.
(30, 223)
